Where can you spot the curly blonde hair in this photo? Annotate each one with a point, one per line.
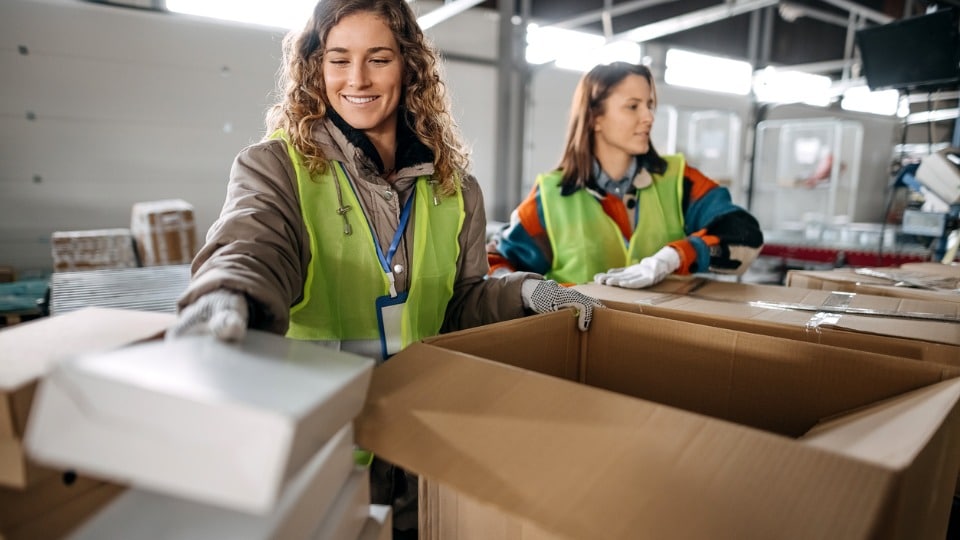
(304, 102)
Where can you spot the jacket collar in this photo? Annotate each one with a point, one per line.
(410, 150)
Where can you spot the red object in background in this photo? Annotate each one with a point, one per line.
(840, 257)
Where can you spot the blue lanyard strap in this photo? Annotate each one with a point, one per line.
(397, 236)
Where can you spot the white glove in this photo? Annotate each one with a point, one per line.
(221, 313)
(544, 296)
(649, 271)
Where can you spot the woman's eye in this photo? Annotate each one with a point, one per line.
(380, 61)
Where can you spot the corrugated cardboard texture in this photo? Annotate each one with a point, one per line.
(581, 462)
(792, 313)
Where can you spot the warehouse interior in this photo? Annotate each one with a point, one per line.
(814, 393)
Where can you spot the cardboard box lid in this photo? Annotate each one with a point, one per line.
(220, 423)
(806, 310)
(582, 462)
(297, 514)
(29, 350)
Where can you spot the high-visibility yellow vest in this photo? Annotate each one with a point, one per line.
(344, 276)
(586, 241)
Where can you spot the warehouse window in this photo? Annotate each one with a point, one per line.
(707, 72)
(276, 13)
(860, 98)
(578, 51)
(772, 85)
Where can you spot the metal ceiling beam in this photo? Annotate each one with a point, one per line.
(862, 11)
(445, 11)
(693, 19)
(790, 12)
(598, 15)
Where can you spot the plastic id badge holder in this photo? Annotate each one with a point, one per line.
(389, 320)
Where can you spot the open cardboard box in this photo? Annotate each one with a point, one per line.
(29, 350)
(923, 330)
(645, 427)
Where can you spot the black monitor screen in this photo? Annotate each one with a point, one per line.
(917, 53)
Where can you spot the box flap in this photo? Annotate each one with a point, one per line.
(587, 463)
(30, 348)
(876, 433)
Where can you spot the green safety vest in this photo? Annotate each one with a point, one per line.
(344, 276)
(586, 241)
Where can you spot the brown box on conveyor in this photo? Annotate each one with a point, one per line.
(92, 250)
(164, 232)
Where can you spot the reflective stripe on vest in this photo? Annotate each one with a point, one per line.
(344, 276)
(586, 241)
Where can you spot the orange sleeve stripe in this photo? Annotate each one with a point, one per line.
(527, 211)
(688, 255)
(614, 207)
(700, 184)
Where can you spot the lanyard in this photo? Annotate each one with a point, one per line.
(395, 243)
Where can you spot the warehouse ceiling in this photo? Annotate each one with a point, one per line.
(810, 33)
(813, 35)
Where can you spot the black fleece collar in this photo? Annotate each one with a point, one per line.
(410, 150)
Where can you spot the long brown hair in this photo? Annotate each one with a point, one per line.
(304, 102)
(589, 101)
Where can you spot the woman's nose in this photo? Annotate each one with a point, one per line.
(358, 76)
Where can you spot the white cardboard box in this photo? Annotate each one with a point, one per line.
(223, 424)
(346, 519)
(379, 524)
(297, 514)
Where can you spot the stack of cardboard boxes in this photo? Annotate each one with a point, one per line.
(161, 233)
(210, 440)
(92, 250)
(47, 502)
(164, 231)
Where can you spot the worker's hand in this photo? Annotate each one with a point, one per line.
(649, 271)
(222, 314)
(544, 296)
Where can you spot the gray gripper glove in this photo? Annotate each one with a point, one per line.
(221, 313)
(544, 296)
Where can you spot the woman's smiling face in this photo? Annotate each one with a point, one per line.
(363, 73)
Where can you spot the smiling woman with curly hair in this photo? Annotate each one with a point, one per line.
(355, 223)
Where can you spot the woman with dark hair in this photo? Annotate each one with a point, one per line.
(616, 212)
(356, 203)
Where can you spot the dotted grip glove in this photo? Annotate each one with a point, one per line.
(649, 271)
(544, 296)
(222, 314)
